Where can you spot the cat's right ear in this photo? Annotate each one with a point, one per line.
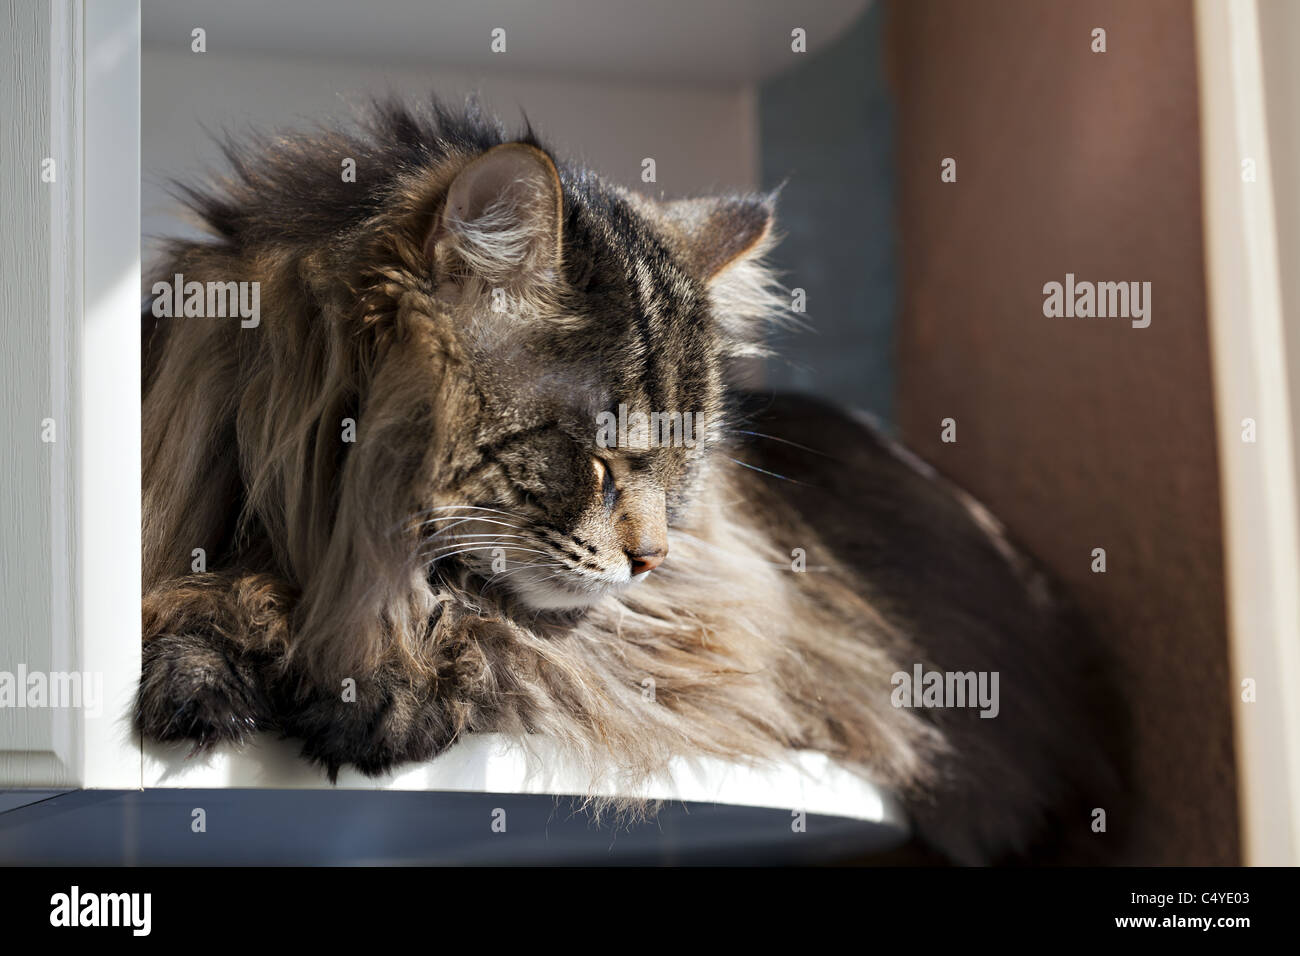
(502, 220)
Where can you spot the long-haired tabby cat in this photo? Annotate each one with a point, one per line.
(404, 473)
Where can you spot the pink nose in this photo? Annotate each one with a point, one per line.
(647, 561)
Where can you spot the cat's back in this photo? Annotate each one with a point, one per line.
(944, 571)
(883, 511)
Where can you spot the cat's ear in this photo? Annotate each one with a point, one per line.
(722, 242)
(502, 218)
(718, 233)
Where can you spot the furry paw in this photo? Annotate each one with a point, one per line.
(192, 689)
(384, 723)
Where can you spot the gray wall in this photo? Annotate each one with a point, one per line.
(826, 129)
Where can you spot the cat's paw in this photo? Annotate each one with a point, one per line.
(192, 689)
(376, 728)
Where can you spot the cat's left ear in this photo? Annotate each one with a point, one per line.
(502, 218)
(716, 234)
(722, 243)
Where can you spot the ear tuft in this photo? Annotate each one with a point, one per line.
(502, 218)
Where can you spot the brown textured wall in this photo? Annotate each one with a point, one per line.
(1079, 433)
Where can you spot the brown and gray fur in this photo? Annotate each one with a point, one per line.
(475, 430)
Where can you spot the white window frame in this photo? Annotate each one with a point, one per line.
(108, 539)
(89, 281)
(1256, 376)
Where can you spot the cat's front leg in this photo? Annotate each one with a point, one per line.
(410, 708)
(211, 641)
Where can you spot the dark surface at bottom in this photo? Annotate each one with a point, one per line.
(361, 827)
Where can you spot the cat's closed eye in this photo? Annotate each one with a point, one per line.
(605, 482)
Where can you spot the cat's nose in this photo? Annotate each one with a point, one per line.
(647, 560)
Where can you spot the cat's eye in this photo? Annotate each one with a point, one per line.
(605, 479)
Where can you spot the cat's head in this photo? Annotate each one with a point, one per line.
(536, 363)
(586, 390)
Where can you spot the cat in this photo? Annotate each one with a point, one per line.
(403, 482)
